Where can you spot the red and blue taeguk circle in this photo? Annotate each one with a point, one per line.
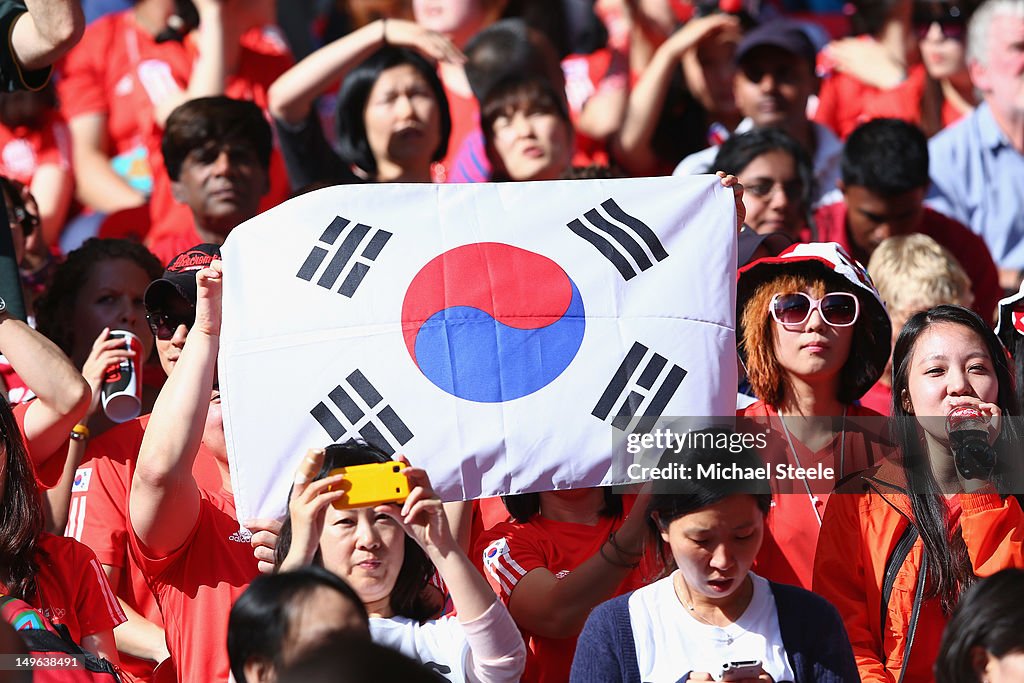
(489, 322)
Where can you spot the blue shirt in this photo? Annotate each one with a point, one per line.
(978, 179)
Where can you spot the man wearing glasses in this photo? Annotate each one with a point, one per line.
(99, 514)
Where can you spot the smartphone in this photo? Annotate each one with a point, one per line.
(372, 484)
(737, 671)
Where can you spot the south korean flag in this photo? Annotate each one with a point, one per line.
(499, 335)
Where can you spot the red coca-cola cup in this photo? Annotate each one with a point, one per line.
(122, 387)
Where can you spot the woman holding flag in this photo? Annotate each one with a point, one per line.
(813, 336)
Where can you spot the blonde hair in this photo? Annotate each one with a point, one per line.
(914, 272)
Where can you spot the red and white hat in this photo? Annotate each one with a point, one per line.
(829, 261)
(1010, 323)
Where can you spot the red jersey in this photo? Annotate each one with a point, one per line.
(794, 520)
(844, 102)
(586, 76)
(263, 58)
(120, 71)
(968, 248)
(23, 150)
(196, 585)
(71, 588)
(511, 550)
(98, 515)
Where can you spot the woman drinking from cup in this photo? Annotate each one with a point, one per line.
(897, 552)
(813, 337)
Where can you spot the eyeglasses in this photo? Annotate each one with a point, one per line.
(164, 325)
(794, 189)
(837, 309)
(952, 29)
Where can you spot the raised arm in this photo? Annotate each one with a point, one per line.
(62, 394)
(558, 608)
(632, 144)
(497, 652)
(292, 95)
(47, 31)
(163, 505)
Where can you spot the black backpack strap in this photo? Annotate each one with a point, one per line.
(893, 564)
(914, 614)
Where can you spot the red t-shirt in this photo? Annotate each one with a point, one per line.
(511, 550)
(844, 102)
(878, 398)
(586, 76)
(794, 521)
(196, 585)
(98, 515)
(264, 57)
(968, 248)
(465, 112)
(120, 71)
(48, 472)
(23, 150)
(71, 588)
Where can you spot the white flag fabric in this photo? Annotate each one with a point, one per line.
(496, 334)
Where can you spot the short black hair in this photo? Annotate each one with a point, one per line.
(343, 659)
(205, 120)
(886, 156)
(738, 151)
(260, 618)
(523, 506)
(355, 91)
(705, 448)
(508, 48)
(989, 617)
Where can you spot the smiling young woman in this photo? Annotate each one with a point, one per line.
(914, 533)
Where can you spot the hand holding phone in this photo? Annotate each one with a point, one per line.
(741, 670)
(371, 485)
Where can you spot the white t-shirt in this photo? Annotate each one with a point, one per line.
(671, 641)
(440, 645)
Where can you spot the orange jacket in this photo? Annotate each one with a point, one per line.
(859, 532)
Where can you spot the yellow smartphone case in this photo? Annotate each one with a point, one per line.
(372, 484)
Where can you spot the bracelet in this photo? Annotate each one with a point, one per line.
(614, 563)
(622, 551)
(79, 433)
(384, 30)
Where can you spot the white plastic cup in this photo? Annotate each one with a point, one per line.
(122, 387)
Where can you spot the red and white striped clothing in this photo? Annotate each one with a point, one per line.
(71, 588)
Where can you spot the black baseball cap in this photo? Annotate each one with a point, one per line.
(784, 34)
(179, 279)
(749, 241)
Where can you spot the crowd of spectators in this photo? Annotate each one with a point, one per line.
(876, 154)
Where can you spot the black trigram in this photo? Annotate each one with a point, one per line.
(363, 412)
(622, 236)
(355, 235)
(641, 382)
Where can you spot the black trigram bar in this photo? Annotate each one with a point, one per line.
(629, 397)
(344, 254)
(628, 232)
(378, 423)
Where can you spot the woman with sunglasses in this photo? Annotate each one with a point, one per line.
(905, 541)
(947, 93)
(813, 336)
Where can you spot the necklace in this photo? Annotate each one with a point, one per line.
(693, 610)
(842, 457)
